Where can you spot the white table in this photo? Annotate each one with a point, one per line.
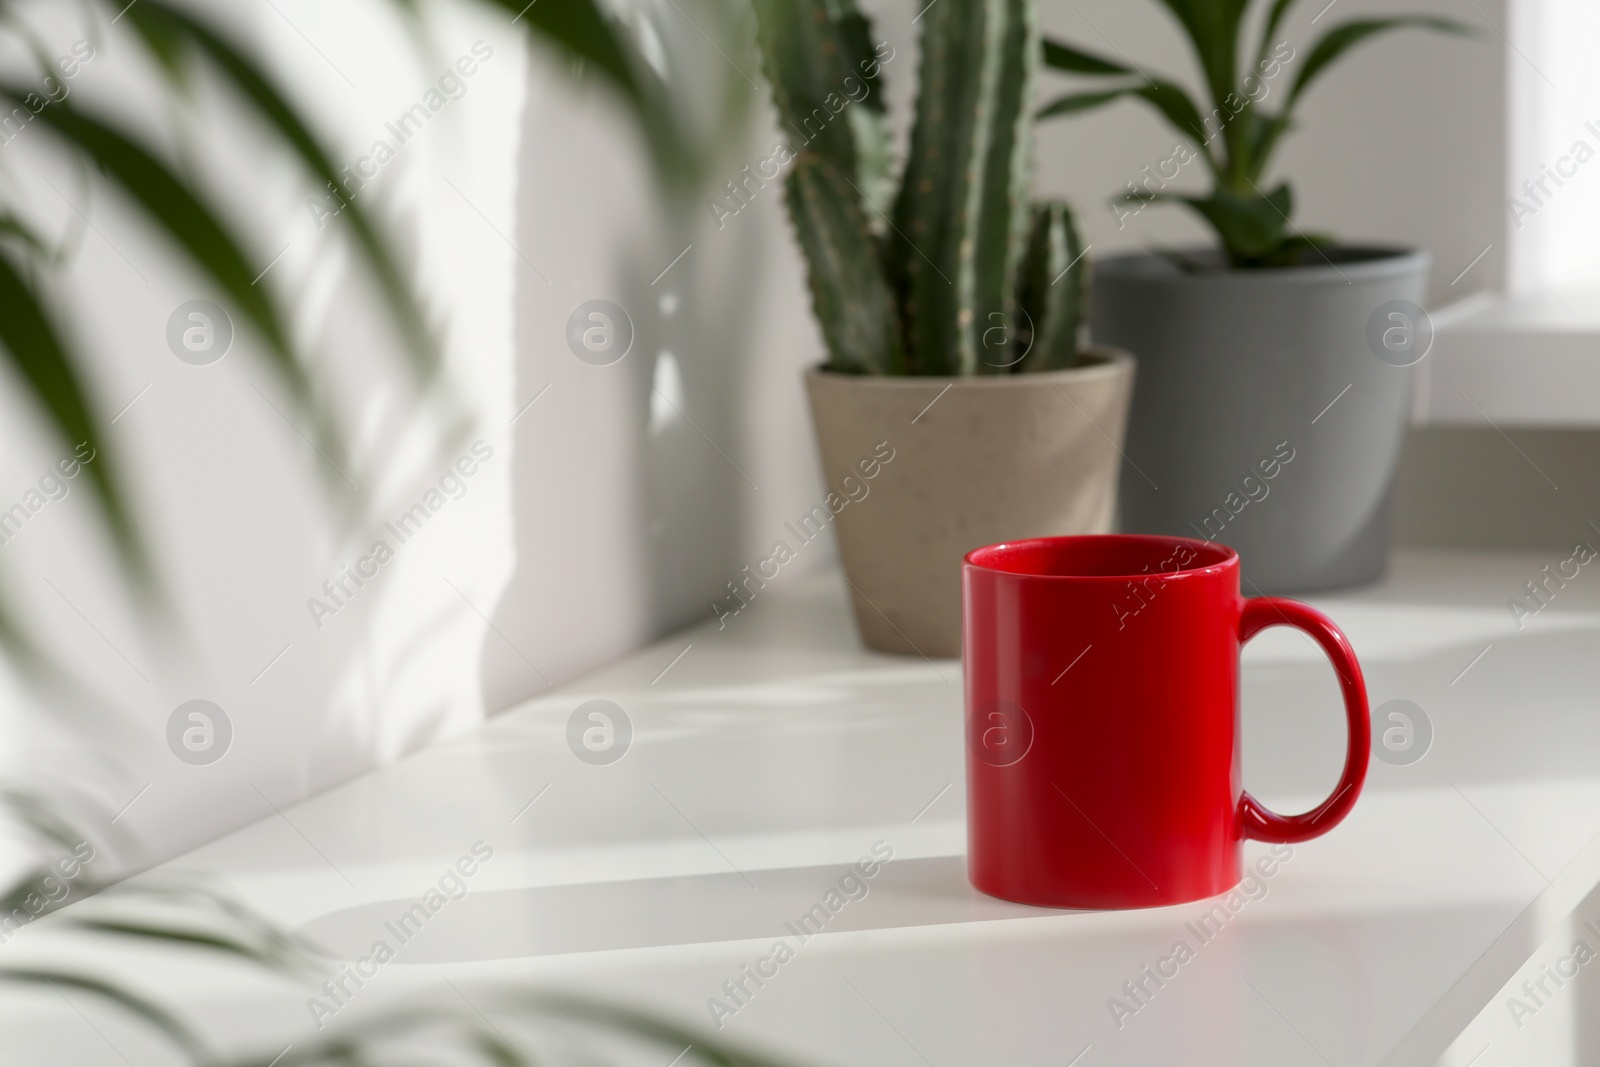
(770, 755)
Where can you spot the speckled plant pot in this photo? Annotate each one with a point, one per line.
(975, 461)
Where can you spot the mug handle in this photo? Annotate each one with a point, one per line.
(1255, 821)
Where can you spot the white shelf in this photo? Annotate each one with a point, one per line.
(774, 752)
(1514, 361)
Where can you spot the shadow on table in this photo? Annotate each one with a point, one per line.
(792, 903)
(1288, 979)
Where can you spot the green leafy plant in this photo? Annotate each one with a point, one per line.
(950, 270)
(1237, 137)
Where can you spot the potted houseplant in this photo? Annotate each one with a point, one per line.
(1245, 346)
(958, 405)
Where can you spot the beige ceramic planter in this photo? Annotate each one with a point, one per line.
(974, 461)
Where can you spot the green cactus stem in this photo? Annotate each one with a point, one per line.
(964, 280)
(849, 293)
(1052, 291)
(960, 211)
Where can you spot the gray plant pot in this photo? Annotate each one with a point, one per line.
(974, 461)
(1232, 436)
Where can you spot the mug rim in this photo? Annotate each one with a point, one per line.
(976, 557)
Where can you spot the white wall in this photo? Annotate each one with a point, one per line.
(229, 494)
(1553, 199)
(613, 507)
(646, 485)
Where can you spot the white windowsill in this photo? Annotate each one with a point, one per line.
(1514, 360)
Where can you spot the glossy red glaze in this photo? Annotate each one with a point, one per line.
(1102, 693)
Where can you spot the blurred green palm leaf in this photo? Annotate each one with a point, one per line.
(36, 342)
(192, 917)
(46, 364)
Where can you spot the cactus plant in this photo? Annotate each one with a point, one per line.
(951, 272)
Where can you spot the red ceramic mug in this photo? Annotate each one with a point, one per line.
(1102, 693)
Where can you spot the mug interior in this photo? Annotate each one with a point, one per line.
(1102, 556)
